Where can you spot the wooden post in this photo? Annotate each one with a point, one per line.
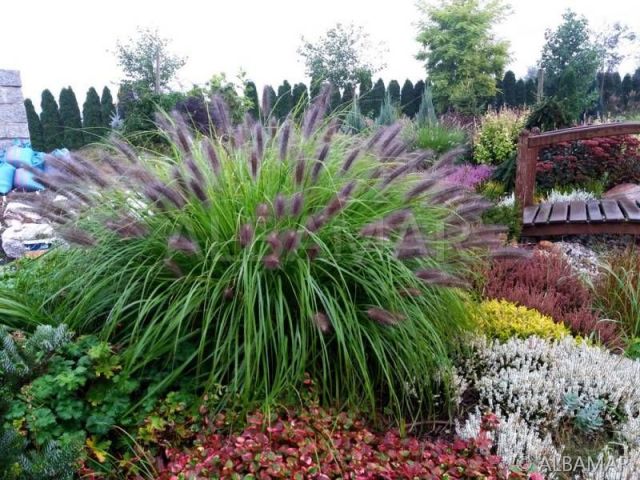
(525, 171)
(156, 73)
(540, 92)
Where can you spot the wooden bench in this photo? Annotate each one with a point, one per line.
(620, 216)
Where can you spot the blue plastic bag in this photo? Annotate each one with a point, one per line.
(38, 160)
(23, 180)
(7, 174)
(18, 156)
(61, 153)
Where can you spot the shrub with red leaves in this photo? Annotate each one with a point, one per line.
(546, 282)
(615, 159)
(318, 444)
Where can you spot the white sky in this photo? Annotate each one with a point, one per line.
(70, 42)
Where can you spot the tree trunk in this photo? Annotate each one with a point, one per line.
(156, 85)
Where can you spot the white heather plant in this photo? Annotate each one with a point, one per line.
(556, 196)
(538, 387)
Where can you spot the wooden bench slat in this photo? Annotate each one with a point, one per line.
(543, 213)
(593, 208)
(612, 212)
(529, 214)
(577, 212)
(630, 209)
(559, 212)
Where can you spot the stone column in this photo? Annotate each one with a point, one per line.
(13, 116)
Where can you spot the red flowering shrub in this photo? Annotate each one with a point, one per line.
(546, 282)
(614, 159)
(319, 444)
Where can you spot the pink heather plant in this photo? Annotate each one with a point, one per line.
(470, 176)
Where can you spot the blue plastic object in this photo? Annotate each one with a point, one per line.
(38, 160)
(7, 174)
(18, 156)
(23, 180)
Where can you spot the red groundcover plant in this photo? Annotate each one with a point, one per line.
(613, 160)
(314, 443)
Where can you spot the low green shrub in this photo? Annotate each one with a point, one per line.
(496, 138)
(505, 214)
(268, 254)
(547, 115)
(63, 398)
(492, 190)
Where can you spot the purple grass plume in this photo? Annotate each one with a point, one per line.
(271, 261)
(321, 321)
(183, 244)
(297, 204)
(384, 317)
(245, 236)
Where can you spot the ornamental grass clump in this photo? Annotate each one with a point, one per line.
(267, 253)
(617, 290)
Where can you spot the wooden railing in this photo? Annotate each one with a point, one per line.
(530, 142)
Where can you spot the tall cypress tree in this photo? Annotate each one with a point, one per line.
(364, 96)
(531, 92)
(315, 86)
(406, 98)
(377, 97)
(299, 99)
(626, 88)
(498, 101)
(635, 84)
(251, 94)
(509, 89)
(35, 127)
(52, 130)
(521, 93)
(283, 102)
(92, 117)
(107, 107)
(335, 100)
(394, 92)
(347, 95)
(268, 101)
(71, 121)
(418, 92)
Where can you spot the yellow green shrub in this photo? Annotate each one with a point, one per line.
(496, 138)
(502, 320)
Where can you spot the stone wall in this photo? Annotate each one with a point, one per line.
(13, 117)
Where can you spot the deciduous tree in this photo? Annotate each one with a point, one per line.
(147, 61)
(341, 55)
(463, 57)
(569, 51)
